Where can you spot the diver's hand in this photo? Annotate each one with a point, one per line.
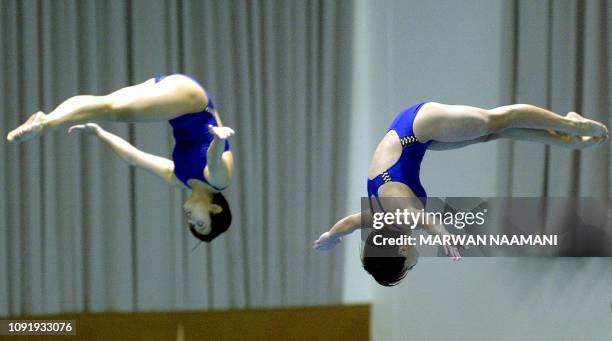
(326, 242)
(453, 251)
(90, 128)
(222, 133)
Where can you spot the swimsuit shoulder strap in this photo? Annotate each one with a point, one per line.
(408, 140)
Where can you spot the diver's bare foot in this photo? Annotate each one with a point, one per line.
(581, 142)
(589, 127)
(28, 130)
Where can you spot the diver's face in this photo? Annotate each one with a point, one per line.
(411, 254)
(197, 214)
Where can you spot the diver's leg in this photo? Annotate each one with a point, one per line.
(549, 137)
(552, 137)
(149, 101)
(455, 123)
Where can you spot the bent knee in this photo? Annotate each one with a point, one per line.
(498, 119)
(122, 109)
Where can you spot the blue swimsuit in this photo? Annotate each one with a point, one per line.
(192, 139)
(406, 169)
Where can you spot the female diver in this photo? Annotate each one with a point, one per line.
(201, 159)
(394, 169)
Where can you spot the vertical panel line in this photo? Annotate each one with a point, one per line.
(513, 86)
(41, 156)
(549, 61)
(24, 230)
(132, 175)
(578, 100)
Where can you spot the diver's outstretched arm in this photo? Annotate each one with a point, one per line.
(418, 218)
(173, 96)
(157, 165)
(436, 228)
(344, 226)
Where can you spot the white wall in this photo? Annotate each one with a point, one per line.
(452, 52)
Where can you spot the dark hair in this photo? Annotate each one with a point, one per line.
(385, 263)
(219, 222)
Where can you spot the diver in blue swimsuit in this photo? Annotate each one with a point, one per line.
(395, 167)
(201, 160)
(407, 168)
